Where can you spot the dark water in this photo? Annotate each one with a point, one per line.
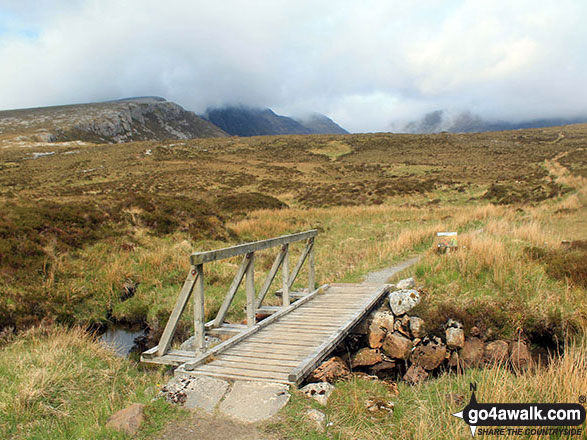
(121, 339)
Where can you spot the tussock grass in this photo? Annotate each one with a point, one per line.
(58, 383)
(424, 412)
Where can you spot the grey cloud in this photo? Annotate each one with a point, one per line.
(370, 66)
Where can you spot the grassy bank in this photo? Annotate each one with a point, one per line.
(58, 383)
(425, 411)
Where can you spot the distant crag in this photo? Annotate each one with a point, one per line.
(249, 121)
(467, 122)
(132, 119)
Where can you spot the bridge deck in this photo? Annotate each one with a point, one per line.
(289, 348)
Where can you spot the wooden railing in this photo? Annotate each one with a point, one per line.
(194, 284)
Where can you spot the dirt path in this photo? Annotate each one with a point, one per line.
(383, 275)
(200, 425)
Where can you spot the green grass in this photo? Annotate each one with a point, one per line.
(58, 383)
(425, 411)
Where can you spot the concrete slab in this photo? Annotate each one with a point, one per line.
(201, 392)
(254, 401)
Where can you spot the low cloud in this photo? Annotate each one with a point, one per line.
(371, 67)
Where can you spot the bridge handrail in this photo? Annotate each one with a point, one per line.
(194, 284)
(246, 248)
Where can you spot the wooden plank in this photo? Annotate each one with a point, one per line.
(298, 353)
(150, 352)
(320, 352)
(242, 372)
(285, 290)
(166, 359)
(250, 289)
(326, 315)
(251, 366)
(312, 326)
(300, 331)
(269, 309)
(199, 314)
(267, 361)
(268, 348)
(297, 357)
(224, 331)
(238, 338)
(271, 276)
(309, 342)
(312, 321)
(231, 292)
(311, 268)
(178, 309)
(219, 254)
(300, 263)
(296, 339)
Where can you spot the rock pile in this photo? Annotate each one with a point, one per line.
(391, 344)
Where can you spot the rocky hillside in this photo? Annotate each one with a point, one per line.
(247, 121)
(133, 119)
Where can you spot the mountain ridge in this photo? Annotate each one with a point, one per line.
(123, 120)
(258, 121)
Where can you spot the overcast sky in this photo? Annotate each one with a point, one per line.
(369, 65)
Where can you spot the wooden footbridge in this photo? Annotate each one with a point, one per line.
(285, 346)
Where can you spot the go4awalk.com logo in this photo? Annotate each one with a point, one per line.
(510, 419)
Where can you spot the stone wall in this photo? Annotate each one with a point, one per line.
(393, 344)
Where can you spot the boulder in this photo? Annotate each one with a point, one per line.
(407, 283)
(318, 419)
(402, 301)
(417, 327)
(399, 326)
(455, 336)
(472, 352)
(127, 420)
(366, 357)
(330, 371)
(209, 341)
(520, 356)
(383, 369)
(429, 354)
(456, 399)
(496, 352)
(453, 360)
(415, 375)
(362, 328)
(320, 392)
(379, 406)
(397, 346)
(381, 324)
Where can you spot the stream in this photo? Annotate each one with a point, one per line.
(121, 339)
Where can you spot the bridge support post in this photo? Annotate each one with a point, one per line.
(285, 277)
(250, 288)
(311, 268)
(199, 337)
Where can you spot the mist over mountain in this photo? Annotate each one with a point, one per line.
(251, 121)
(320, 124)
(468, 122)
